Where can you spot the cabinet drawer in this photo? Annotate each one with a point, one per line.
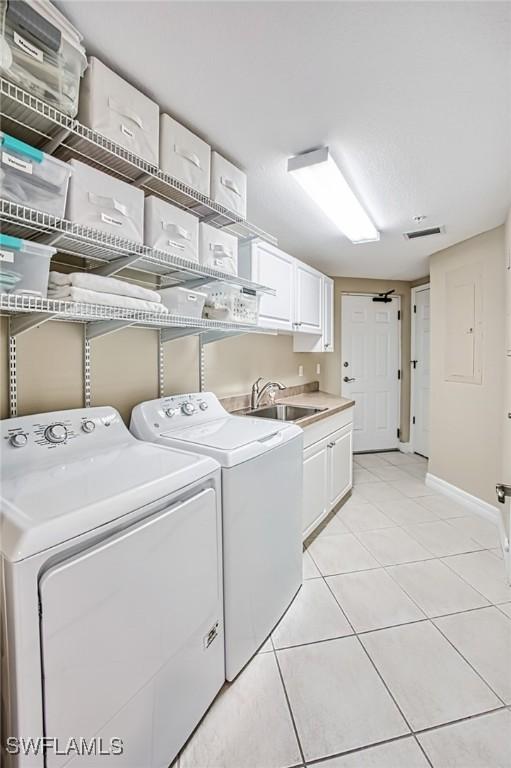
(326, 427)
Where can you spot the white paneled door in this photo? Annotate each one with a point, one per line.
(369, 370)
(420, 371)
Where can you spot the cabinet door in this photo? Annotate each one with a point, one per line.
(315, 486)
(275, 269)
(339, 464)
(308, 299)
(328, 314)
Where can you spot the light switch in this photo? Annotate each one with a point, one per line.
(300, 370)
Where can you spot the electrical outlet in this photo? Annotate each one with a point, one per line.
(318, 368)
(300, 370)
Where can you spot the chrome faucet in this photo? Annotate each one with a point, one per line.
(257, 394)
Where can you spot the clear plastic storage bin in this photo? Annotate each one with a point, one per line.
(181, 301)
(30, 177)
(24, 266)
(41, 52)
(232, 304)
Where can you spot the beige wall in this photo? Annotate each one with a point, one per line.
(125, 366)
(466, 418)
(331, 365)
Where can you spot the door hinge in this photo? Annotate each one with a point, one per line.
(399, 314)
(399, 374)
(413, 420)
(398, 432)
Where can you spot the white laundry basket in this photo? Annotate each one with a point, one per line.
(30, 177)
(41, 52)
(232, 304)
(24, 266)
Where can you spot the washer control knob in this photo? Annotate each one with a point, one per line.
(188, 408)
(88, 426)
(55, 433)
(203, 406)
(19, 440)
(170, 412)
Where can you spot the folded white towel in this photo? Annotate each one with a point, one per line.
(102, 284)
(70, 293)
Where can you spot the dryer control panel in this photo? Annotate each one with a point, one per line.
(72, 432)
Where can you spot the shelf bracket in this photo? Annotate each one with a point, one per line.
(141, 180)
(115, 265)
(50, 239)
(52, 144)
(13, 383)
(97, 328)
(161, 367)
(22, 323)
(170, 334)
(208, 337)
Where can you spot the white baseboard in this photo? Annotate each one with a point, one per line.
(473, 503)
(405, 447)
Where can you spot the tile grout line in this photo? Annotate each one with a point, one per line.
(291, 714)
(320, 760)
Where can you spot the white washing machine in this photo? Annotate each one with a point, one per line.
(261, 505)
(111, 593)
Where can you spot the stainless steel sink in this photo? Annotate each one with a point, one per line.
(284, 412)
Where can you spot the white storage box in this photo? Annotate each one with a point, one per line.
(184, 155)
(41, 52)
(232, 304)
(24, 266)
(116, 109)
(218, 249)
(228, 185)
(170, 229)
(30, 177)
(182, 301)
(98, 200)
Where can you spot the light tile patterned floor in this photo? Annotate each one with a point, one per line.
(395, 653)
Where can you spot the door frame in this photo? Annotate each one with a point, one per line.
(397, 297)
(415, 290)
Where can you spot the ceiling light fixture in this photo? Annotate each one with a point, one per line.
(321, 178)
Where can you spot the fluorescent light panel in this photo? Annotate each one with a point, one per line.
(320, 177)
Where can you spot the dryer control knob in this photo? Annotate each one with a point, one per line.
(88, 426)
(188, 409)
(55, 433)
(19, 440)
(203, 406)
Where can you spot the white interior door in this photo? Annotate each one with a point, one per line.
(369, 372)
(420, 371)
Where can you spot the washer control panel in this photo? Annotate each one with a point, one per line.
(179, 411)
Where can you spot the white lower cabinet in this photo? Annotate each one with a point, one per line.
(315, 484)
(339, 465)
(327, 467)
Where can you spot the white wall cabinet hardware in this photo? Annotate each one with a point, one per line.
(276, 269)
(313, 342)
(308, 304)
(327, 467)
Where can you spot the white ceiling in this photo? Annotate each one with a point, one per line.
(413, 99)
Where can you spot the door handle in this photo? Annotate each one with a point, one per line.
(414, 363)
(503, 491)
(347, 378)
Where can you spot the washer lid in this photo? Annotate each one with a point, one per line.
(47, 505)
(226, 434)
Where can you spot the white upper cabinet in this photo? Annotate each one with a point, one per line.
(308, 299)
(328, 314)
(267, 265)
